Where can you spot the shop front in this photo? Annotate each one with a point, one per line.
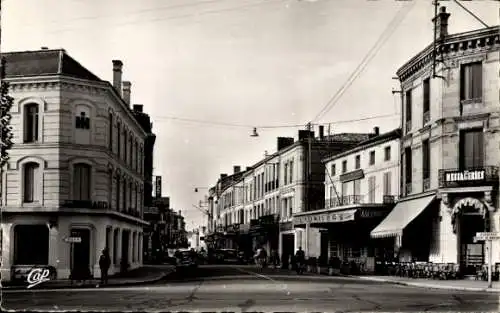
(347, 233)
(265, 232)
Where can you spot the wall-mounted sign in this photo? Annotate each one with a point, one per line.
(83, 204)
(464, 176)
(329, 217)
(158, 187)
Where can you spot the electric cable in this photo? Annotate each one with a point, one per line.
(398, 18)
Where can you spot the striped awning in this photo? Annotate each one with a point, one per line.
(403, 213)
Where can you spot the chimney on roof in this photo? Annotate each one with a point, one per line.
(117, 75)
(441, 23)
(284, 142)
(138, 108)
(44, 48)
(249, 168)
(376, 130)
(223, 176)
(126, 91)
(236, 169)
(321, 132)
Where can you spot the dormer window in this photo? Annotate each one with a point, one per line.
(82, 121)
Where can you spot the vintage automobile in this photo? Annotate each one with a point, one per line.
(185, 259)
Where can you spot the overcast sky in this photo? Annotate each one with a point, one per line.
(245, 62)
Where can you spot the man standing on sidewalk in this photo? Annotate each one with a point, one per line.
(104, 263)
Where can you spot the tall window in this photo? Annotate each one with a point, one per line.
(125, 147)
(358, 162)
(137, 157)
(82, 121)
(285, 173)
(427, 99)
(131, 151)
(119, 139)
(130, 196)
(118, 193)
(291, 171)
(387, 191)
(371, 189)
(31, 123)
(357, 187)
(471, 149)
(110, 131)
(426, 160)
(124, 195)
(31, 183)
(344, 189)
(471, 81)
(344, 166)
(372, 157)
(408, 110)
(333, 170)
(81, 182)
(408, 169)
(387, 153)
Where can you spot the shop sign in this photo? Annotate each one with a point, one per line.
(330, 217)
(370, 213)
(86, 204)
(465, 176)
(286, 226)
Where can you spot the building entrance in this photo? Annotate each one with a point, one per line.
(80, 254)
(287, 247)
(472, 253)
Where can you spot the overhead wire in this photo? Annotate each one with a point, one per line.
(215, 123)
(174, 17)
(391, 27)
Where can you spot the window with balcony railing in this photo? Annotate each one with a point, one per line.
(408, 170)
(408, 111)
(426, 165)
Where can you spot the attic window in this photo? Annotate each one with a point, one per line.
(82, 121)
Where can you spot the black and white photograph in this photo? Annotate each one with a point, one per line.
(250, 155)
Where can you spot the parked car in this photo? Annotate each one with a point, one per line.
(185, 259)
(227, 256)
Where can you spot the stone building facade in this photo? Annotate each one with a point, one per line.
(74, 181)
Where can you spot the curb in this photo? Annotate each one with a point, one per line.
(85, 286)
(424, 285)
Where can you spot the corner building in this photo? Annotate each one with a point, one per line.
(75, 170)
(449, 150)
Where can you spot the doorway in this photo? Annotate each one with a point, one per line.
(472, 254)
(287, 247)
(324, 248)
(80, 256)
(125, 248)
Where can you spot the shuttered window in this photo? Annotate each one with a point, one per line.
(471, 149)
(471, 81)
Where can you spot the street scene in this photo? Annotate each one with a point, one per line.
(238, 288)
(250, 156)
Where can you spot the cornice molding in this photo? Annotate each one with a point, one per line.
(453, 46)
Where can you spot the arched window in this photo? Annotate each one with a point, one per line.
(31, 123)
(81, 182)
(118, 193)
(31, 183)
(110, 125)
(119, 139)
(125, 141)
(124, 194)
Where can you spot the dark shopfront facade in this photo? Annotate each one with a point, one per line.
(347, 231)
(264, 232)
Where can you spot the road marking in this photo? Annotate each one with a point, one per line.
(283, 285)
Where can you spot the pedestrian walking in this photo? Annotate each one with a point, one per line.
(300, 259)
(104, 263)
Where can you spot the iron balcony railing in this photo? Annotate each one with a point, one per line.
(356, 199)
(469, 177)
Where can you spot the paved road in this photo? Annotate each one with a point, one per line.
(241, 289)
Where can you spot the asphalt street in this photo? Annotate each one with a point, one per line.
(244, 289)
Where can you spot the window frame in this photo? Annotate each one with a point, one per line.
(31, 134)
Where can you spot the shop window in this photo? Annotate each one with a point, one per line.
(31, 245)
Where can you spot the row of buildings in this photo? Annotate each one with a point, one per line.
(420, 192)
(80, 173)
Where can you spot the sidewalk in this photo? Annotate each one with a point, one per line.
(459, 284)
(142, 275)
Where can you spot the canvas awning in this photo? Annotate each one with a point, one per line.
(403, 213)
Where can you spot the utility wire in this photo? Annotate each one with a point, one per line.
(213, 123)
(168, 18)
(135, 12)
(468, 11)
(391, 27)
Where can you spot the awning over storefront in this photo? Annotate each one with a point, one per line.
(403, 213)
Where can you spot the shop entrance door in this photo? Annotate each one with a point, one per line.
(288, 246)
(471, 253)
(80, 256)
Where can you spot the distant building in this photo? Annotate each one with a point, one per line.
(74, 183)
(255, 207)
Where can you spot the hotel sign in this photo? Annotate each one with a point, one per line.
(465, 176)
(329, 217)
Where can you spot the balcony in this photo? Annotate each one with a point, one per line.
(470, 177)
